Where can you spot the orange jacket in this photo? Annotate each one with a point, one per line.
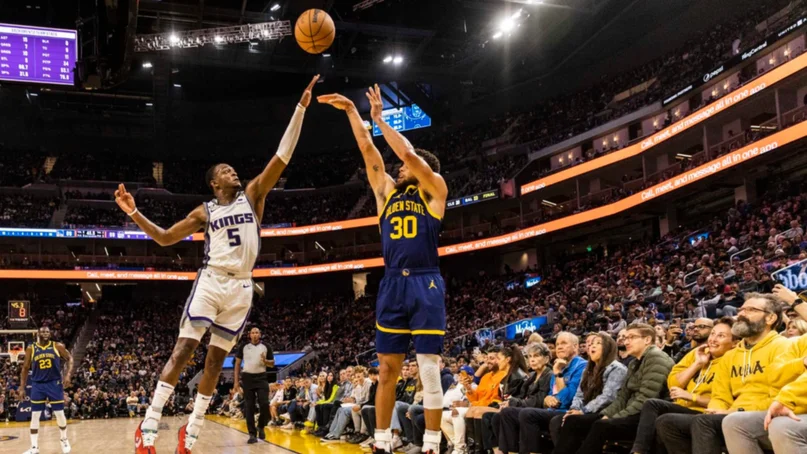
(487, 392)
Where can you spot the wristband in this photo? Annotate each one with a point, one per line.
(797, 302)
(132, 213)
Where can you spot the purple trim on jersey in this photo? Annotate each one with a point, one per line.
(258, 225)
(193, 292)
(207, 237)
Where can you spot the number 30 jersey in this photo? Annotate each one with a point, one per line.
(232, 235)
(409, 231)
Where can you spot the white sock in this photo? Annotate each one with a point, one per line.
(431, 440)
(383, 439)
(34, 440)
(162, 393)
(197, 419)
(35, 415)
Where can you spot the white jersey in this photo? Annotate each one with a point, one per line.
(232, 236)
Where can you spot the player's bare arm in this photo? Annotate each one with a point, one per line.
(68, 368)
(431, 182)
(26, 366)
(381, 182)
(164, 237)
(259, 188)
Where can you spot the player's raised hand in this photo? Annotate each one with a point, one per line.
(305, 100)
(376, 103)
(336, 100)
(125, 200)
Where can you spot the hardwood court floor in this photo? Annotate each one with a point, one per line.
(219, 436)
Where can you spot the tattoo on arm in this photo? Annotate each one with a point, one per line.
(376, 168)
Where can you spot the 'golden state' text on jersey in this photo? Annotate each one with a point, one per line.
(232, 236)
(46, 364)
(409, 231)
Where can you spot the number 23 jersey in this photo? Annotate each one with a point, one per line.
(409, 231)
(232, 236)
(45, 364)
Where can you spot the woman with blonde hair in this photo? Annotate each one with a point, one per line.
(796, 328)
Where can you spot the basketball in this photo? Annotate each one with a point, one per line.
(314, 31)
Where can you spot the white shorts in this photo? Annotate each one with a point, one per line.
(219, 301)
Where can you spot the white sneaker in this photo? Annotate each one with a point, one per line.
(65, 446)
(32, 451)
(367, 442)
(397, 443)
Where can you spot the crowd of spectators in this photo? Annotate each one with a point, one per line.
(23, 210)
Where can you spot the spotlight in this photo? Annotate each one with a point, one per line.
(147, 64)
(326, 55)
(177, 86)
(397, 60)
(218, 39)
(497, 35)
(275, 7)
(388, 59)
(174, 39)
(507, 25)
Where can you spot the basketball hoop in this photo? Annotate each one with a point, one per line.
(15, 352)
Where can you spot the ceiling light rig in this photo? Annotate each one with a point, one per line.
(265, 31)
(508, 25)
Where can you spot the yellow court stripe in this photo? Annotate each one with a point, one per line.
(428, 208)
(392, 330)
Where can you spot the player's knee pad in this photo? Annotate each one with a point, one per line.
(60, 418)
(430, 378)
(35, 419)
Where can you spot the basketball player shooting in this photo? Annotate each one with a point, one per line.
(43, 359)
(222, 293)
(411, 297)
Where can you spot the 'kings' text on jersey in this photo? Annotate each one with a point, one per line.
(409, 231)
(232, 236)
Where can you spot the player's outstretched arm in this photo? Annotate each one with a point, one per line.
(68, 368)
(380, 181)
(258, 188)
(26, 366)
(164, 237)
(432, 182)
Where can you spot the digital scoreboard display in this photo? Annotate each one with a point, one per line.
(37, 55)
(19, 313)
(404, 119)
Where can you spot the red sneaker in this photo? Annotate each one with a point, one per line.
(181, 436)
(139, 447)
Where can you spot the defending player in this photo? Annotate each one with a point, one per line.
(222, 293)
(44, 359)
(411, 297)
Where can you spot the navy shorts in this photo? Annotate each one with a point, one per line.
(411, 305)
(47, 391)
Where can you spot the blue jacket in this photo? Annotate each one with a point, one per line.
(446, 379)
(572, 375)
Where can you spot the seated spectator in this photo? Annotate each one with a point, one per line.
(619, 420)
(744, 380)
(351, 406)
(327, 411)
(511, 360)
(567, 374)
(796, 328)
(690, 384)
(486, 393)
(360, 436)
(603, 377)
(697, 333)
(531, 395)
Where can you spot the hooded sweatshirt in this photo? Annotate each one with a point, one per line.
(750, 377)
(699, 385)
(794, 394)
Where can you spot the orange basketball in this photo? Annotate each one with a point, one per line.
(314, 31)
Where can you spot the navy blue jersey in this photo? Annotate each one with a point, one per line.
(46, 365)
(409, 231)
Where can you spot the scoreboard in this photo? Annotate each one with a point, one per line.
(19, 313)
(38, 55)
(404, 119)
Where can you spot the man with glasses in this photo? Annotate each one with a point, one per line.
(753, 431)
(645, 380)
(690, 385)
(743, 381)
(697, 333)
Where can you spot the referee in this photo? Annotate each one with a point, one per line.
(257, 357)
